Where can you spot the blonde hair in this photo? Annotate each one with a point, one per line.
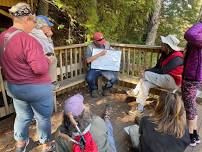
(169, 115)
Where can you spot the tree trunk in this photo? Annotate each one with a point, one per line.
(42, 7)
(154, 23)
(200, 14)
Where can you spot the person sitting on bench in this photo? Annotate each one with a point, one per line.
(93, 74)
(166, 74)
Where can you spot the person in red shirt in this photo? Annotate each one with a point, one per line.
(26, 70)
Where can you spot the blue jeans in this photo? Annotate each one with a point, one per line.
(92, 78)
(110, 135)
(32, 101)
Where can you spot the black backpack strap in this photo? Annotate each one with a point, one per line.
(7, 38)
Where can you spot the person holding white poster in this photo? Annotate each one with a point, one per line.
(93, 74)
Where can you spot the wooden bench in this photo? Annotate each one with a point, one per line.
(135, 80)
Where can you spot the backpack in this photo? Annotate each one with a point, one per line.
(90, 145)
(7, 38)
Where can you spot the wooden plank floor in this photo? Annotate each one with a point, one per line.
(120, 119)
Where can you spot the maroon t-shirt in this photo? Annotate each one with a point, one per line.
(23, 60)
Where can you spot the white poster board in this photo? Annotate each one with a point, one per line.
(110, 61)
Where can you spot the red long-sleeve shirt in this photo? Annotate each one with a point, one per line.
(23, 61)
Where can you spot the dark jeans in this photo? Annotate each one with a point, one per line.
(92, 78)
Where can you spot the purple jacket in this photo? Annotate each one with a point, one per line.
(193, 56)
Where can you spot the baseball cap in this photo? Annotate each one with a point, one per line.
(43, 21)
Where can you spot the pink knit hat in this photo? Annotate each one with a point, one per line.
(74, 105)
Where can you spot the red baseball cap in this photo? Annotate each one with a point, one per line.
(99, 38)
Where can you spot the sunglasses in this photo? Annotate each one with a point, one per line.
(100, 39)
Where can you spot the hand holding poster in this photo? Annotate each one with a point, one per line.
(110, 61)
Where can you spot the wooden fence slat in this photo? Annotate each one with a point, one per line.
(75, 58)
(66, 63)
(133, 73)
(151, 56)
(145, 60)
(71, 62)
(128, 65)
(80, 61)
(60, 59)
(123, 61)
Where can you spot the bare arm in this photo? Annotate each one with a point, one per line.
(94, 57)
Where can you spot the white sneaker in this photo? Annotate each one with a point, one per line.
(132, 93)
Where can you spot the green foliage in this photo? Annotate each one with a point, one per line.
(120, 20)
(178, 16)
(125, 21)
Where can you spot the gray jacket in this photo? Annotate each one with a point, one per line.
(47, 43)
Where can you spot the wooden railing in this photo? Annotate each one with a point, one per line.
(135, 58)
(70, 61)
(71, 65)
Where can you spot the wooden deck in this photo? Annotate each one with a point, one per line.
(120, 119)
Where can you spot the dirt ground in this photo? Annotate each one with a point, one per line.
(120, 119)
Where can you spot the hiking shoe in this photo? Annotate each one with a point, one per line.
(132, 93)
(198, 141)
(106, 91)
(52, 148)
(193, 142)
(23, 148)
(107, 112)
(196, 136)
(94, 94)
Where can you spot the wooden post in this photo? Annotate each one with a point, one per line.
(128, 65)
(66, 63)
(61, 70)
(76, 62)
(71, 68)
(80, 61)
(4, 94)
(123, 61)
(134, 64)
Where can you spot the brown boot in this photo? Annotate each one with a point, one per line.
(106, 91)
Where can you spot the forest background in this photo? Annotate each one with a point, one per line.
(121, 21)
